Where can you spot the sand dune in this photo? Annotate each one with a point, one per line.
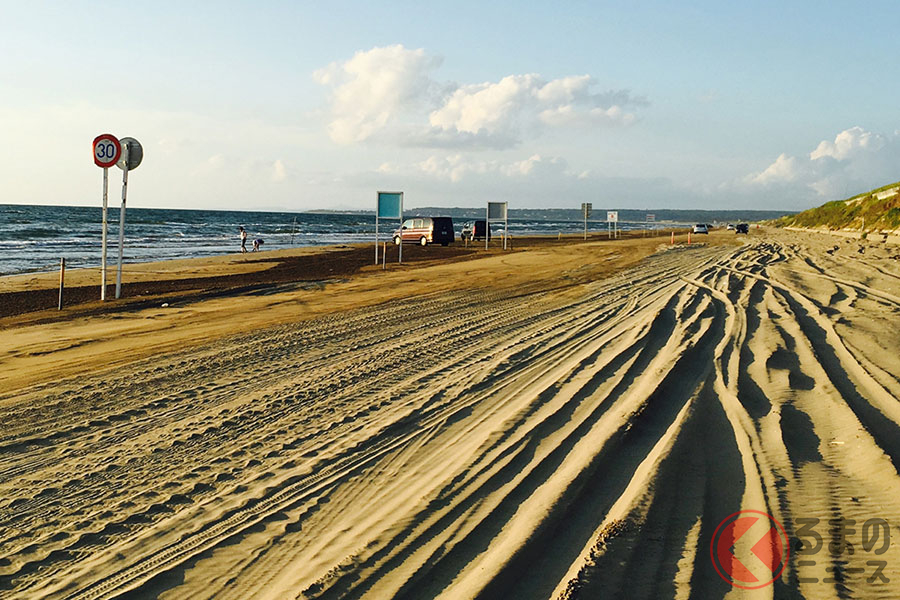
(577, 441)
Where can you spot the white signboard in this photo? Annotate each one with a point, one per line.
(612, 216)
(497, 210)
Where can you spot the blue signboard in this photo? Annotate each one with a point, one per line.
(389, 205)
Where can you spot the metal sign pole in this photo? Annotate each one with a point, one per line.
(376, 232)
(103, 235)
(505, 225)
(400, 258)
(62, 279)
(107, 152)
(487, 225)
(121, 231)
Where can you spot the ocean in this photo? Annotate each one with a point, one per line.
(34, 238)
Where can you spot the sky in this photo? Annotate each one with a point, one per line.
(312, 105)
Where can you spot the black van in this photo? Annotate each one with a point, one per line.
(426, 230)
(474, 230)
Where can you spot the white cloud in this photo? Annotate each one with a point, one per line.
(856, 161)
(389, 93)
(374, 89)
(521, 102)
(849, 144)
(785, 168)
(458, 167)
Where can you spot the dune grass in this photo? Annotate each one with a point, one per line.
(865, 211)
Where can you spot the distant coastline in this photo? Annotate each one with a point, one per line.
(630, 215)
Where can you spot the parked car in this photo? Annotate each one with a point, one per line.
(701, 228)
(426, 230)
(474, 230)
(742, 228)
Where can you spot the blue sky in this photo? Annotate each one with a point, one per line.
(299, 106)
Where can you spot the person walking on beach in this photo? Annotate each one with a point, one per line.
(243, 240)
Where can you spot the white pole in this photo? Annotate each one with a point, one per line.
(377, 201)
(505, 224)
(400, 256)
(487, 225)
(122, 230)
(103, 235)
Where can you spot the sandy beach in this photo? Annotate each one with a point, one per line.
(562, 420)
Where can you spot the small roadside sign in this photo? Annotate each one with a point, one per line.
(496, 211)
(586, 212)
(132, 156)
(612, 216)
(389, 205)
(107, 150)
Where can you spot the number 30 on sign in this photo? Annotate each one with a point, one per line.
(107, 150)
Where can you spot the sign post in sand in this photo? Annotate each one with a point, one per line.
(132, 155)
(107, 151)
(612, 222)
(496, 211)
(388, 205)
(586, 208)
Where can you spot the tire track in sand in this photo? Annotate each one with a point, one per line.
(474, 445)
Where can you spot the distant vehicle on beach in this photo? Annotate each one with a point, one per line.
(742, 228)
(474, 230)
(426, 230)
(701, 228)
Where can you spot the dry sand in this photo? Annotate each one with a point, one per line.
(569, 421)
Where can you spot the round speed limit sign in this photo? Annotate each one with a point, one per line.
(107, 150)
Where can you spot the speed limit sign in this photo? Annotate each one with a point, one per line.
(107, 150)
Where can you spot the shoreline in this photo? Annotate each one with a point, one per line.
(146, 282)
(47, 344)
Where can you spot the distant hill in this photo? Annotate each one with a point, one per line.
(878, 210)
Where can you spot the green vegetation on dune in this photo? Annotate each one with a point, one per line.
(867, 211)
